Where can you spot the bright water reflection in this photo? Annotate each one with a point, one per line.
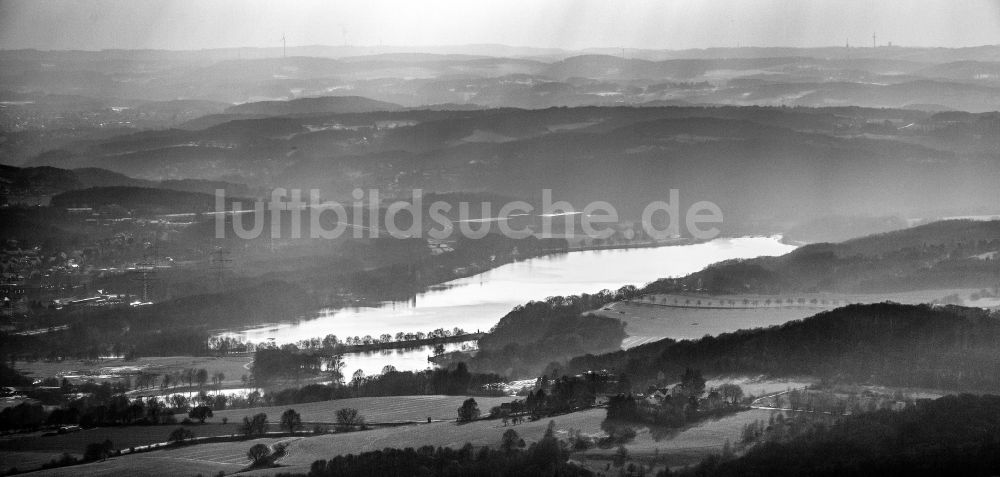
(478, 302)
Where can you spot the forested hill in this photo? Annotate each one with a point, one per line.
(952, 348)
(47, 181)
(138, 198)
(539, 332)
(946, 254)
(954, 435)
(328, 104)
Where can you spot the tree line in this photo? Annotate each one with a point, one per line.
(539, 332)
(558, 396)
(941, 255)
(548, 456)
(941, 347)
(686, 403)
(289, 363)
(952, 435)
(333, 344)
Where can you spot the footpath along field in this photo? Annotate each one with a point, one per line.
(374, 409)
(302, 453)
(204, 459)
(229, 457)
(678, 448)
(30, 452)
(122, 437)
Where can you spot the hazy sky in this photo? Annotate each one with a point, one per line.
(574, 24)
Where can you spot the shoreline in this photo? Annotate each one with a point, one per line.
(363, 303)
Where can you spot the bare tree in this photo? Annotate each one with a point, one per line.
(348, 418)
(291, 420)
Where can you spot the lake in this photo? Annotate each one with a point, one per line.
(478, 302)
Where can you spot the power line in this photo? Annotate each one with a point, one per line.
(220, 263)
(146, 269)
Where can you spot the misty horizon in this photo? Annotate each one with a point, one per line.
(181, 25)
(584, 238)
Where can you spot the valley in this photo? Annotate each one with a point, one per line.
(658, 239)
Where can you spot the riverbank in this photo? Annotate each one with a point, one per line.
(437, 272)
(77, 371)
(478, 302)
(473, 269)
(406, 344)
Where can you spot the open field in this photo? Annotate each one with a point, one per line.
(29, 460)
(760, 386)
(686, 447)
(304, 452)
(647, 322)
(678, 448)
(709, 435)
(229, 457)
(204, 459)
(122, 437)
(374, 409)
(33, 450)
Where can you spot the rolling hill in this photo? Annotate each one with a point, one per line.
(319, 105)
(889, 344)
(946, 254)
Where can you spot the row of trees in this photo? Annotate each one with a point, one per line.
(548, 456)
(709, 301)
(191, 376)
(453, 381)
(251, 427)
(331, 343)
(289, 363)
